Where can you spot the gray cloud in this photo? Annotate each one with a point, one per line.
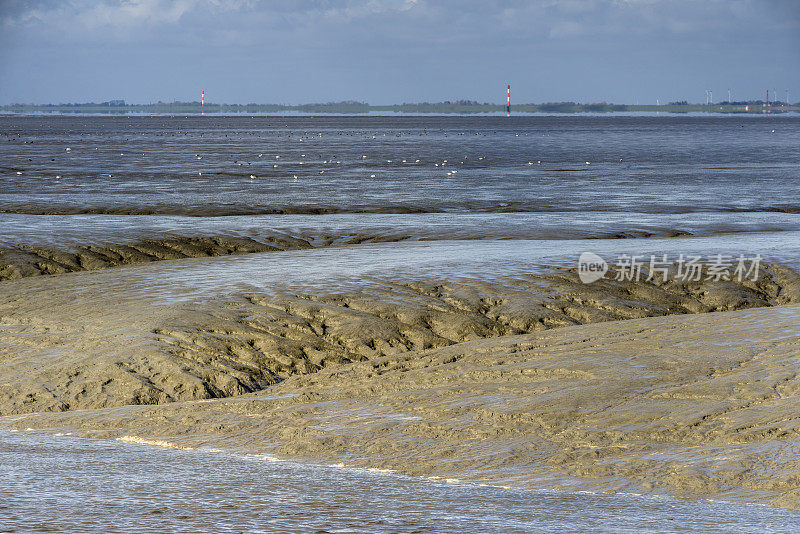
(141, 20)
(384, 50)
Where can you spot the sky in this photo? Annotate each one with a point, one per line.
(395, 51)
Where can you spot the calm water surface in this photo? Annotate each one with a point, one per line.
(66, 484)
(694, 174)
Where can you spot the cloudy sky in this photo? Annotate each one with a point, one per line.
(391, 51)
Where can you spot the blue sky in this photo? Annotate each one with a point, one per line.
(391, 51)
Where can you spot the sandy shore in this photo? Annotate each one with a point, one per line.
(530, 380)
(25, 260)
(108, 338)
(695, 406)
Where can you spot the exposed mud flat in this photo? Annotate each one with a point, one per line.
(76, 341)
(35, 260)
(695, 406)
(52, 254)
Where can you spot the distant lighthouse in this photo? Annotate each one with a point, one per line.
(202, 102)
(508, 101)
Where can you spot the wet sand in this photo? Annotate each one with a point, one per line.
(153, 333)
(26, 260)
(55, 244)
(696, 406)
(531, 380)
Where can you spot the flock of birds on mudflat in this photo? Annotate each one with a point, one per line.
(294, 163)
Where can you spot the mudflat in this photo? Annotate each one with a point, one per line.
(692, 405)
(529, 380)
(113, 337)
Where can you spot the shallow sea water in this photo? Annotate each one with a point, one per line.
(68, 484)
(341, 268)
(699, 174)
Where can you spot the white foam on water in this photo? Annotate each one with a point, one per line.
(379, 470)
(154, 443)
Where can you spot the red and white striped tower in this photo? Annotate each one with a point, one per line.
(202, 102)
(508, 101)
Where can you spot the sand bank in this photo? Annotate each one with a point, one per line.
(44, 245)
(532, 379)
(27, 260)
(108, 338)
(693, 405)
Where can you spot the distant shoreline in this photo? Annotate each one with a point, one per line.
(358, 108)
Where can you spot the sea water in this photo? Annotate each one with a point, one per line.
(114, 178)
(68, 484)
